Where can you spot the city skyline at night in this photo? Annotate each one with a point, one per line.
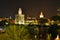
(29, 7)
(29, 19)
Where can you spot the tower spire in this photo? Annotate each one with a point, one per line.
(20, 11)
(41, 15)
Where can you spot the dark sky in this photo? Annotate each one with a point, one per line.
(29, 7)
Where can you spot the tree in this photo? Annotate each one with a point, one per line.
(53, 31)
(31, 31)
(42, 21)
(15, 32)
(3, 23)
(55, 18)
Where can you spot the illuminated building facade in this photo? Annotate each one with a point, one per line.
(19, 18)
(41, 15)
(34, 20)
(43, 20)
(31, 21)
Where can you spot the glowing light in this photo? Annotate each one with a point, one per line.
(57, 38)
(58, 24)
(20, 17)
(10, 17)
(52, 22)
(47, 24)
(20, 11)
(6, 23)
(35, 36)
(41, 15)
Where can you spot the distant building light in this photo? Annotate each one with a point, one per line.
(10, 17)
(41, 15)
(35, 36)
(47, 24)
(28, 21)
(19, 19)
(52, 22)
(58, 24)
(57, 38)
(6, 23)
(20, 11)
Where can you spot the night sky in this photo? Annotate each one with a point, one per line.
(30, 8)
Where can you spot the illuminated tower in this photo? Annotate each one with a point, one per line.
(19, 18)
(41, 15)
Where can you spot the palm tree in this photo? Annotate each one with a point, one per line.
(15, 32)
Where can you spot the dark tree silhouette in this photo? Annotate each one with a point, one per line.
(55, 18)
(53, 31)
